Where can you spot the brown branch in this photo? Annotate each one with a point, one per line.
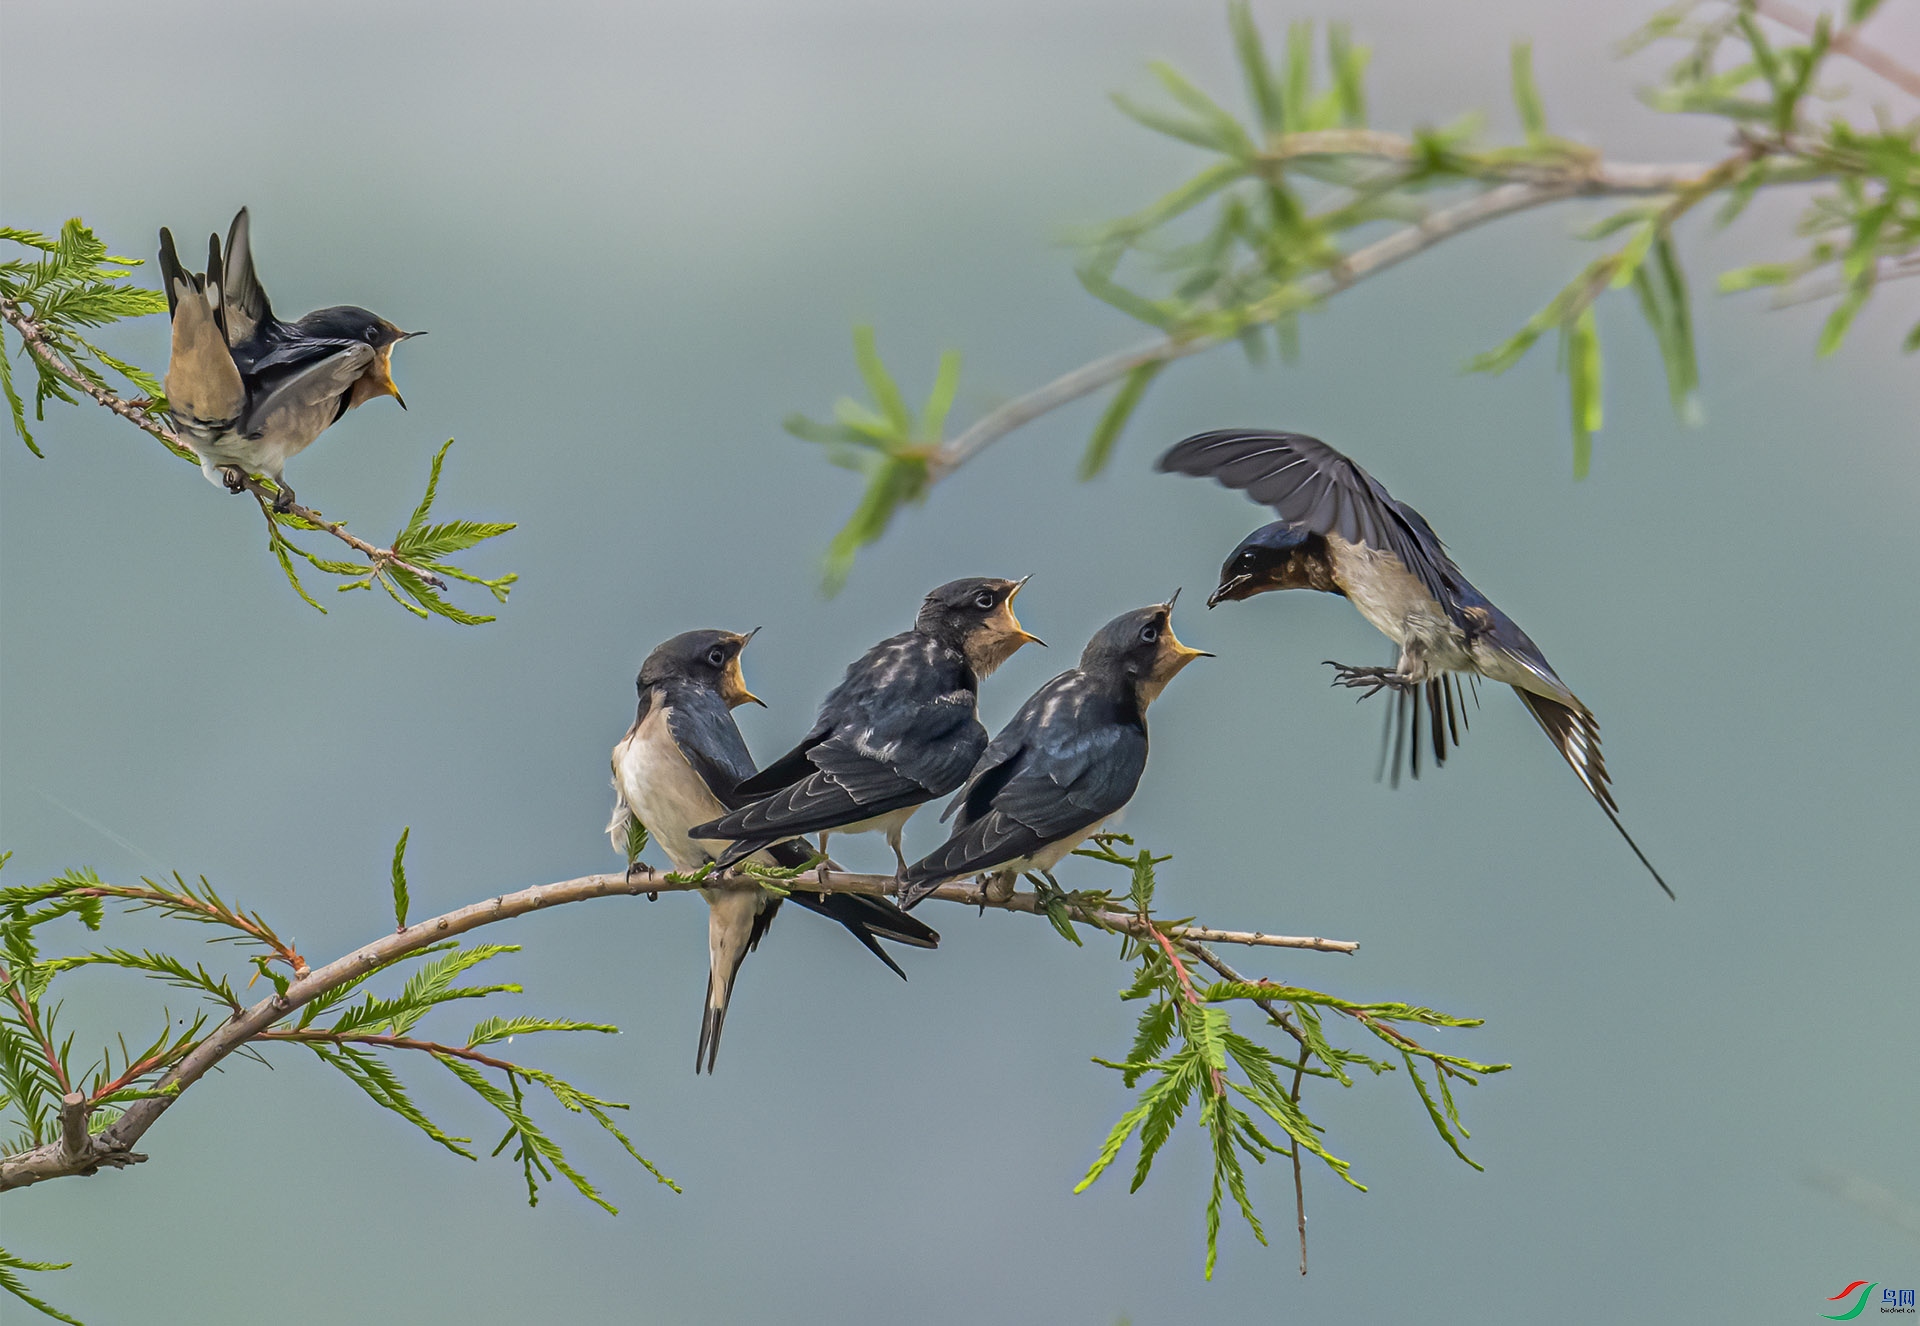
(113, 1145)
(36, 342)
(306, 1035)
(1536, 187)
(1845, 42)
(73, 1126)
(32, 1024)
(1299, 1185)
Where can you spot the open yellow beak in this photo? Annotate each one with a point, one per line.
(733, 683)
(1012, 624)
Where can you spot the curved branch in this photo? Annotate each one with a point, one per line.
(36, 342)
(113, 1146)
(1844, 42)
(1580, 180)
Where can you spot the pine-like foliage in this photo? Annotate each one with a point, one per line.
(66, 286)
(365, 1028)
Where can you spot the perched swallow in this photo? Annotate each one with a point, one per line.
(678, 765)
(1342, 533)
(900, 730)
(1069, 760)
(247, 391)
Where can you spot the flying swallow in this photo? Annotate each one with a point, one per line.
(900, 730)
(678, 765)
(247, 391)
(1342, 533)
(1069, 760)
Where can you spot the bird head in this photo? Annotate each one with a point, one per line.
(976, 615)
(1140, 648)
(1260, 561)
(349, 323)
(704, 658)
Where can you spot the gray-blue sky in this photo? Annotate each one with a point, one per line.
(638, 238)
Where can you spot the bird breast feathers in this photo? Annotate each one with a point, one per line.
(664, 791)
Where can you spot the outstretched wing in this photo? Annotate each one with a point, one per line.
(241, 295)
(1308, 483)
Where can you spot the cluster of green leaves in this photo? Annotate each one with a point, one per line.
(1300, 184)
(71, 284)
(1186, 1048)
(353, 1027)
(885, 442)
(1865, 226)
(418, 543)
(68, 284)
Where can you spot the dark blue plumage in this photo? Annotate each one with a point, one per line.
(1070, 758)
(1341, 532)
(682, 761)
(900, 729)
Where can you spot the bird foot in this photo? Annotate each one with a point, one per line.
(283, 503)
(234, 478)
(1371, 680)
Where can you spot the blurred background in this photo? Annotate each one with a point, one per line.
(639, 236)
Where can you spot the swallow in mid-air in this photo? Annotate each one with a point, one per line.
(1341, 532)
(678, 765)
(1069, 760)
(900, 730)
(247, 391)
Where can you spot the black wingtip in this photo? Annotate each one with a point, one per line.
(711, 1021)
(170, 269)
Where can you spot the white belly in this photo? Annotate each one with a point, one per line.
(1053, 853)
(665, 794)
(1400, 608)
(892, 824)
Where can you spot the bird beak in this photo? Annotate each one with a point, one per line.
(1226, 589)
(1012, 624)
(733, 685)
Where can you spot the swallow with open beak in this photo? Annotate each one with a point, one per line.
(1070, 759)
(678, 765)
(900, 730)
(1341, 532)
(247, 391)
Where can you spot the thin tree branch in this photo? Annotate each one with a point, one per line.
(73, 1126)
(36, 342)
(113, 1145)
(1845, 42)
(1584, 179)
(311, 1034)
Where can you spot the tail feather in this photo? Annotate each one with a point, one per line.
(204, 392)
(1575, 733)
(735, 923)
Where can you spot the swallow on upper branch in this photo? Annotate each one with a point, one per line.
(1069, 760)
(900, 730)
(678, 765)
(247, 391)
(1342, 533)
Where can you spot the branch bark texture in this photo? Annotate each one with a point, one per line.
(76, 1153)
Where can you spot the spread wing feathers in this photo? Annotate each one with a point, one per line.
(1308, 483)
(318, 377)
(243, 299)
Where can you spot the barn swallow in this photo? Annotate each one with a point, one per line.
(679, 764)
(1342, 533)
(1069, 760)
(247, 391)
(900, 730)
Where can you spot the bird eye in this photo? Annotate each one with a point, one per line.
(716, 656)
(984, 599)
(1150, 633)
